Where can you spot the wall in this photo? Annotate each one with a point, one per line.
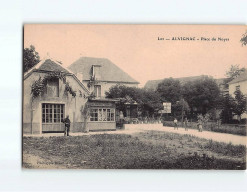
(72, 105)
(101, 126)
(243, 87)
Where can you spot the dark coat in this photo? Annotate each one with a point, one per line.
(66, 121)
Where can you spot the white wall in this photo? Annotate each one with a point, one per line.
(243, 87)
(105, 86)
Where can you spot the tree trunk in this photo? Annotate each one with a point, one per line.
(85, 126)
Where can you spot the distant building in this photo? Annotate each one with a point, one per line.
(239, 83)
(100, 74)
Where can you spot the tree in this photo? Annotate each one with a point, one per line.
(201, 95)
(181, 108)
(151, 102)
(227, 104)
(243, 40)
(30, 58)
(148, 101)
(233, 73)
(169, 90)
(239, 105)
(86, 114)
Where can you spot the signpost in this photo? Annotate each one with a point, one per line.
(167, 108)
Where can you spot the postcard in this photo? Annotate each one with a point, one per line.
(109, 96)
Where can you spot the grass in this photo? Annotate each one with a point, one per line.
(146, 150)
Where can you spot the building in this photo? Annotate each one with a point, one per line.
(100, 74)
(239, 83)
(51, 91)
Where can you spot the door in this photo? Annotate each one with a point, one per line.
(52, 115)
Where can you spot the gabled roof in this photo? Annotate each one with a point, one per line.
(47, 64)
(241, 77)
(50, 65)
(108, 70)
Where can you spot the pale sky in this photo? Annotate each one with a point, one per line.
(137, 50)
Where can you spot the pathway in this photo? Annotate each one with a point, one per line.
(220, 137)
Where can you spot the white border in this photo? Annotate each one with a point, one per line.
(12, 16)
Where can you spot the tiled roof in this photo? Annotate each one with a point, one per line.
(241, 77)
(109, 71)
(49, 65)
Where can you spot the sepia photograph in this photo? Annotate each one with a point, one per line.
(134, 96)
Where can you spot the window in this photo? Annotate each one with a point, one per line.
(94, 115)
(237, 87)
(52, 113)
(97, 90)
(53, 87)
(102, 114)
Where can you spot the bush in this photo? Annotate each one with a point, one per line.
(243, 121)
(211, 126)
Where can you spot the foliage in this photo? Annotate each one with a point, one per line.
(243, 40)
(148, 101)
(69, 89)
(227, 111)
(214, 114)
(39, 86)
(201, 95)
(55, 75)
(212, 126)
(30, 58)
(179, 107)
(203, 118)
(239, 103)
(233, 73)
(170, 90)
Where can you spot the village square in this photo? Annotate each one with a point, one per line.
(92, 114)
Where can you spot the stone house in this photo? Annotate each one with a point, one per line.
(51, 91)
(100, 74)
(239, 83)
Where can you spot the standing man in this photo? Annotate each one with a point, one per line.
(66, 121)
(175, 123)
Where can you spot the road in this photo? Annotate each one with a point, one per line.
(220, 137)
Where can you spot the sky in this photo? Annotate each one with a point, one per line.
(137, 50)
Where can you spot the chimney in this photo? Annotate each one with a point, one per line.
(96, 72)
